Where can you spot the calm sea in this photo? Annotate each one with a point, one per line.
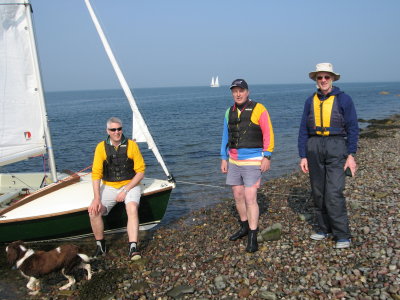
(186, 123)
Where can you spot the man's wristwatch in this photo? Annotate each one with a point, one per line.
(267, 157)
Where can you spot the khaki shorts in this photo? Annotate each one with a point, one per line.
(249, 176)
(108, 195)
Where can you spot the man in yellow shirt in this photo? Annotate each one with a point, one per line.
(119, 164)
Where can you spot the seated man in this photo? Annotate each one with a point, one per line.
(120, 165)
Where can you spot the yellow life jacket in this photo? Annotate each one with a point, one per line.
(325, 117)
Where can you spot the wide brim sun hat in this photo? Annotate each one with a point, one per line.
(323, 67)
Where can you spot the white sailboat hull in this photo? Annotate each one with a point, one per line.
(66, 208)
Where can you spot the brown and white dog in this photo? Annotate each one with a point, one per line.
(34, 264)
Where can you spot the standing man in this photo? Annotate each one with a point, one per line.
(120, 165)
(247, 144)
(327, 143)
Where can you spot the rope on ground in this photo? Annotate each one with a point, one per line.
(202, 184)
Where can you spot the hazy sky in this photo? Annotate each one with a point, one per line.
(185, 42)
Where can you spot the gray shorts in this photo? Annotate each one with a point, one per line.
(249, 176)
(109, 194)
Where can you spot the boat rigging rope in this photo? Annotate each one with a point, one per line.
(80, 171)
(20, 180)
(223, 187)
(202, 184)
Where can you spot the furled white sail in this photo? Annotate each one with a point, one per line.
(23, 121)
(140, 132)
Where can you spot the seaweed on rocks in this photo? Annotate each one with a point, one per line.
(102, 285)
(380, 128)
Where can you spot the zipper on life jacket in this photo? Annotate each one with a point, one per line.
(322, 119)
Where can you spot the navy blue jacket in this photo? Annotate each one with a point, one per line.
(347, 109)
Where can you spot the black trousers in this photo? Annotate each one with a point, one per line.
(326, 156)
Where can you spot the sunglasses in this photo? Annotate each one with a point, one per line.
(327, 77)
(115, 129)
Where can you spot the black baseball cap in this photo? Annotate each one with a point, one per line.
(239, 83)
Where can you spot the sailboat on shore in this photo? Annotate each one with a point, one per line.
(214, 83)
(35, 206)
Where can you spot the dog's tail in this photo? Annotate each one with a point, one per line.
(84, 257)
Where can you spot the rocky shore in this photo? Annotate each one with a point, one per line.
(193, 259)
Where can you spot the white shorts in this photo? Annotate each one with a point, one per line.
(108, 195)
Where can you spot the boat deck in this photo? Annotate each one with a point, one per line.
(61, 202)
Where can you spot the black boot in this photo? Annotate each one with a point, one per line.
(243, 231)
(252, 244)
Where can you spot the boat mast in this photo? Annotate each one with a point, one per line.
(40, 90)
(139, 119)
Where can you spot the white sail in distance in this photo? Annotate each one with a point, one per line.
(216, 83)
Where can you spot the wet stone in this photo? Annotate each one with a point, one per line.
(219, 282)
(180, 290)
(139, 286)
(272, 233)
(267, 295)
(156, 274)
(366, 230)
(244, 292)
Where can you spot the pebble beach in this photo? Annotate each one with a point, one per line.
(193, 258)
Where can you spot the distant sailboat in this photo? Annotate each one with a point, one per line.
(214, 83)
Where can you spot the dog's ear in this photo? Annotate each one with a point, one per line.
(14, 251)
(12, 254)
(20, 244)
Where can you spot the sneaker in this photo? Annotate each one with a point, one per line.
(134, 254)
(342, 243)
(101, 248)
(319, 236)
